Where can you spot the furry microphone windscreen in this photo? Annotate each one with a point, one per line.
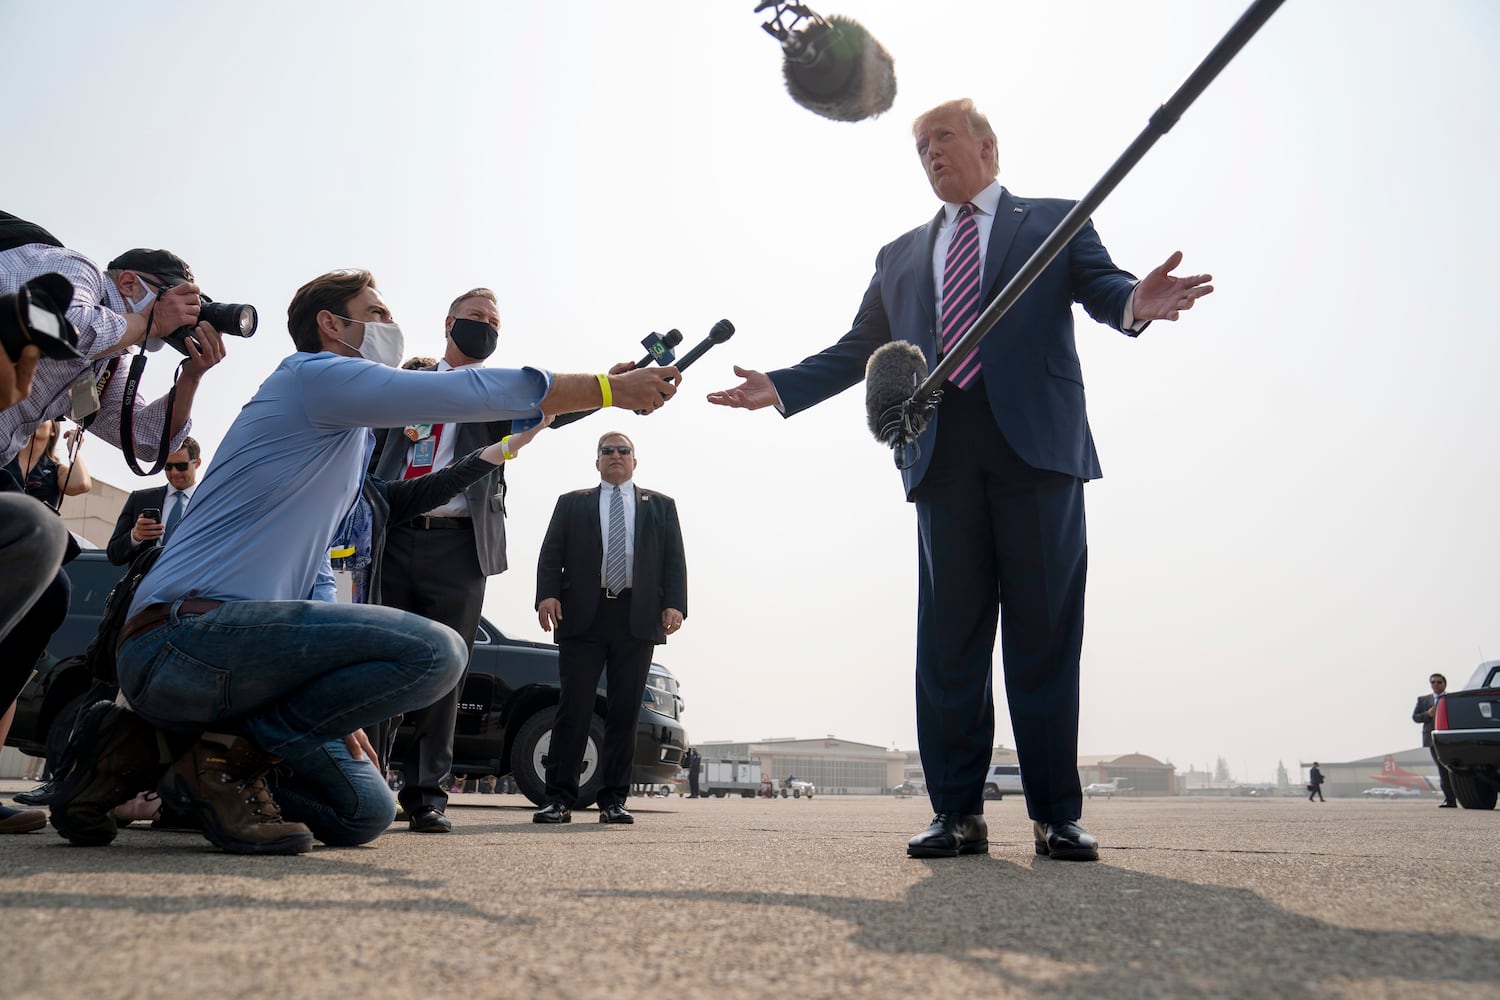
(893, 373)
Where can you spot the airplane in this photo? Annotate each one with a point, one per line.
(1104, 788)
(1392, 773)
(1390, 792)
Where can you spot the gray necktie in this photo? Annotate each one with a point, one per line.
(174, 515)
(614, 565)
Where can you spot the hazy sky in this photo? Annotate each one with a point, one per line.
(1295, 524)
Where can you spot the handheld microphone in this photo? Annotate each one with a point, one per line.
(832, 66)
(721, 332)
(659, 348)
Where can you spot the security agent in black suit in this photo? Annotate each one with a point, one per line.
(436, 563)
(609, 607)
(134, 533)
(1425, 713)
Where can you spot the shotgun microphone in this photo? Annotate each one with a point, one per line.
(659, 348)
(832, 66)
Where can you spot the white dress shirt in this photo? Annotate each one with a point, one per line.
(447, 444)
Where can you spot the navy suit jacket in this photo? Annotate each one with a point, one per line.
(1032, 376)
(568, 564)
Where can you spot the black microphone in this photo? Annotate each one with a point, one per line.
(832, 66)
(659, 348)
(721, 332)
(895, 416)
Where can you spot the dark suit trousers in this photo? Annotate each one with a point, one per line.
(435, 574)
(605, 647)
(995, 535)
(26, 642)
(1445, 777)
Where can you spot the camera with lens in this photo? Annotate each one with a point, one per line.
(232, 319)
(36, 315)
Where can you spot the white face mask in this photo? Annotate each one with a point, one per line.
(383, 343)
(144, 302)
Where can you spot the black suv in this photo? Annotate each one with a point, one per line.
(504, 715)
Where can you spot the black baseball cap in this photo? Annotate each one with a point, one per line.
(162, 263)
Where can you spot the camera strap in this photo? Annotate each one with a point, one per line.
(127, 417)
(127, 406)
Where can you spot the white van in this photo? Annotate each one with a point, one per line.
(1002, 780)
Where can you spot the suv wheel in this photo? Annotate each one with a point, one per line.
(1471, 790)
(528, 759)
(992, 791)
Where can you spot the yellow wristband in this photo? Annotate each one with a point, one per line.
(604, 391)
(505, 450)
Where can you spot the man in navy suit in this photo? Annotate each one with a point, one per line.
(998, 486)
(135, 533)
(611, 581)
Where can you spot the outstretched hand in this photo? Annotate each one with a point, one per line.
(754, 393)
(1162, 295)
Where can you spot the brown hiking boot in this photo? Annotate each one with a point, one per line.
(222, 781)
(115, 755)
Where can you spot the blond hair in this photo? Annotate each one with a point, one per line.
(979, 125)
(473, 293)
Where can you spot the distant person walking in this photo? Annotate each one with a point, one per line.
(1425, 713)
(694, 765)
(1315, 783)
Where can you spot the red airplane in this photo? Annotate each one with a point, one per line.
(1392, 773)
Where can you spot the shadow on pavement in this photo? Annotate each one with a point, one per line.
(1089, 930)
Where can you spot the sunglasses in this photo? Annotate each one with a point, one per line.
(178, 466)
(610, 449)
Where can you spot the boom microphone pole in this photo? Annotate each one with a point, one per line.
(898, 420)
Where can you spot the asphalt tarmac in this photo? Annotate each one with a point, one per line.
(753, 898)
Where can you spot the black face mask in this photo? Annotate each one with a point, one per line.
(477, 340)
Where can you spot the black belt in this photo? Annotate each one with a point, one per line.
(610, 595)
(427, 523)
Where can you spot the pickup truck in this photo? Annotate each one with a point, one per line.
(504, 712)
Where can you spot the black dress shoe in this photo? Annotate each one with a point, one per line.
(1445, 804)
(429, 819)
(39, 796)
(553, 812)
(615, 814)
(1065, 841)
(950, 835)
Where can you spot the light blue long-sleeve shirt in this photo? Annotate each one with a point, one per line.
(292, 463)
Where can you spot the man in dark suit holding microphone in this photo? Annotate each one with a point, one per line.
(998, 485)
(611, 580)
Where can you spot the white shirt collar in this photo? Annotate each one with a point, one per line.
(627, 487)
(985, 201)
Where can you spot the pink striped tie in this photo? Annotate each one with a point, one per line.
(961, 274)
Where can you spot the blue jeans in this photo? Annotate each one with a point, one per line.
(292, 677)
(343, 801)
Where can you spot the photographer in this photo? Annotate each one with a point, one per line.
(32, 541)
(146, 294)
